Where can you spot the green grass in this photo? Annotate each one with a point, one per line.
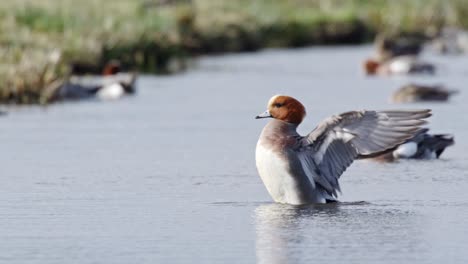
(153, 39)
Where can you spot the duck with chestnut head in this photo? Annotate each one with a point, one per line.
(299, 169)
(398, 66)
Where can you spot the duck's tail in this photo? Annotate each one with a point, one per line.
(439, 142)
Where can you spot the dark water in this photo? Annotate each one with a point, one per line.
(169, 176)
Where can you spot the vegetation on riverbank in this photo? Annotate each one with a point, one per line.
(41, 41)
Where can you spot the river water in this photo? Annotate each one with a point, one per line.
(168, 176)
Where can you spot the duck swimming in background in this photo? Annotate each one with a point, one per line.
(397, 66)
(388, 46)
(110, 85)
(422, 146)
(422, 93)
(299, 169)
(113, 89)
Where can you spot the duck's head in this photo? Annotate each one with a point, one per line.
(111, 68)
(284, 108)
(371, 66)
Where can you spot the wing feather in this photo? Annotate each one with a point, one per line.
(336, 142)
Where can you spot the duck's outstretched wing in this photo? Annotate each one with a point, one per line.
(331, 147)
(418, 137)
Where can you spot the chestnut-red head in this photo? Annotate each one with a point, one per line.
(111, 68)
(371, 66)
(284, 108)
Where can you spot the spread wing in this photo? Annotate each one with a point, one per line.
(331, 147)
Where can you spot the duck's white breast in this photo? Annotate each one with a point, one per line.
(406, 150)
(400, 66)
(274, 172)
(111, 92)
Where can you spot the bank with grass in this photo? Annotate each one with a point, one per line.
(43, 42)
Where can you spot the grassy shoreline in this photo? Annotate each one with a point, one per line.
(155, 38)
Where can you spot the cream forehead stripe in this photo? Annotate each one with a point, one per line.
(272, 99)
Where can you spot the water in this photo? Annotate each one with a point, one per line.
(168, 176)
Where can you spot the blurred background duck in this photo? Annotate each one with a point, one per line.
(388, 46)
(451, 41)
(112, 84)
(422, 93)
(422, 146)
(115, 88)
(399, 65)
(396, 55)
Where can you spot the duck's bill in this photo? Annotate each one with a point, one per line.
(265, 114)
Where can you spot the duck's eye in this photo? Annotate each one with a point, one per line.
(278, 105)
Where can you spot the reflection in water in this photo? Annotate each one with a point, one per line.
(300, 234)
(278, 229)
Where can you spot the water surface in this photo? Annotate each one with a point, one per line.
(168, 176)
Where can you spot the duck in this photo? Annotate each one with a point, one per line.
(388, 47)
(399, 65)
(113, 88)
(306, 169)
(116, 86)
(451, 41)
(422, 93)
(111, 85)
(422, 146)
